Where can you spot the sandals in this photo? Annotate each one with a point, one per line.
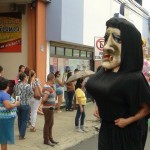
(33, 129)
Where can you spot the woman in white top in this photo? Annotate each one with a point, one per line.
(34, 102)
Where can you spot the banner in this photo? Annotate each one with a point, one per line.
(98, 48)
(10, 32)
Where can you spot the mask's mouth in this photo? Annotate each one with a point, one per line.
(107, 57)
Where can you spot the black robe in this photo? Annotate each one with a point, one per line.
(119, 95)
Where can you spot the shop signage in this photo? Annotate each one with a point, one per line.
(10, 32)
(98, 48)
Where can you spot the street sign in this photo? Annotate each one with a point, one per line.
(98, 48)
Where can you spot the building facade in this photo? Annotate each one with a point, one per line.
(59, 34)
(31, 34)
(77, 22)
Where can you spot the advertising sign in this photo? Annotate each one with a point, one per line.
(10, 32)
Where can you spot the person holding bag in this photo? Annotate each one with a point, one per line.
(25, 92)
(35, 100)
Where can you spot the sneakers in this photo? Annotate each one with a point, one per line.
(79, 130)
(84, 130)
(21, 138)
(33, 129)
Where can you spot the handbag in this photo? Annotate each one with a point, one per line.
(37, 92)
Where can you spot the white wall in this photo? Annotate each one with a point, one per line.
(139, 20)
(65, 21)
(72, 21)
(95, 16)
(78, 21)
(53, 20)
(11, 61)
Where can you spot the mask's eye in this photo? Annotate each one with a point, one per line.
(106, 37)
(116, 38)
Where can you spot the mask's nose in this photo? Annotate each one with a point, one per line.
(108, 43)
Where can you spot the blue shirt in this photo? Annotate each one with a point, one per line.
(4, 112)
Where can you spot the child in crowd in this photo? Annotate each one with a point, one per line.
(81, 102)
(21, 69)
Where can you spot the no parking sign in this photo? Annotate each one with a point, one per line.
(98, 48)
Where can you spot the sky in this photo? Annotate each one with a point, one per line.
(146, 5)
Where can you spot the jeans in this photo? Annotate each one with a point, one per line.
(23, 112)
(34, 104)
(70, 99)
(48, 125)
(66, 98)
(80, 116)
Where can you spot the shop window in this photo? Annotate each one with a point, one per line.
(60, 51)
(83, 54)
(68, 52)
(76, 53)
(89, 54)
(52, 50)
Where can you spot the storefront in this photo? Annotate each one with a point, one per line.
(23, 36)
(65, 57)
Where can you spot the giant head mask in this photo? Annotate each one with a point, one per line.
(123, 46)
(112, 49)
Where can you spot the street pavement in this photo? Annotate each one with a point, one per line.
(147, 146)
(89, 144)
(63, 131)
(92, 144)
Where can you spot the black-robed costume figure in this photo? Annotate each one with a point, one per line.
(120, 94)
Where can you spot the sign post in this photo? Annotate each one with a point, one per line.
(98, 48)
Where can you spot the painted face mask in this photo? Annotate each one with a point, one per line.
(112, 49)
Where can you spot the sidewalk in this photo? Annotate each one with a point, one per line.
(63, 131)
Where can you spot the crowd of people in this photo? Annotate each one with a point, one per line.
(29, 98)
(120, 89)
